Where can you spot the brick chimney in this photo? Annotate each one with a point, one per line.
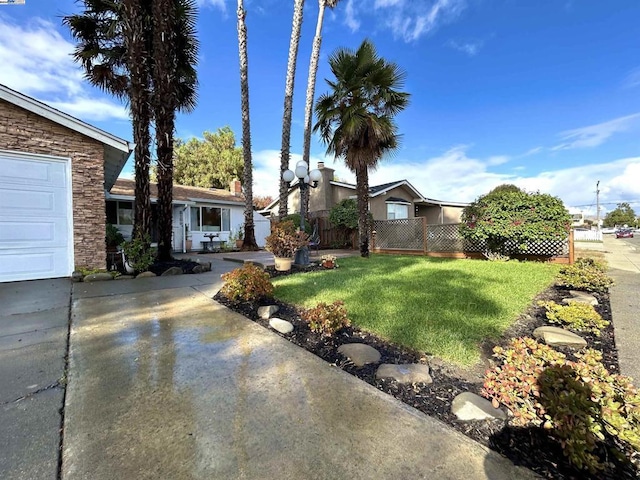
(320, 165)
(235, 187)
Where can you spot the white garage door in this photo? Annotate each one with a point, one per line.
(35, 217)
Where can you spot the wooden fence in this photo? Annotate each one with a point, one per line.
(414, 237)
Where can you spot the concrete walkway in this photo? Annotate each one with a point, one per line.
(261, 256)
(623, 257)
(166, 383)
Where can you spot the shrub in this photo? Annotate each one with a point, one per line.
(326, 318)
(138, 253)
(113, 237)
(284, 240)
(249, 283)
(578, 316)
(580, 403)
(585, 274)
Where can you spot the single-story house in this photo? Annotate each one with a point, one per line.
(54, 170)
(197, 212)
(393, 200)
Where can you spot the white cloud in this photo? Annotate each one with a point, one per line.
(633, 79)
(220, 4)
(470, 48)
(411, 20)
(595, 135)
(350, 19)
(36, 60)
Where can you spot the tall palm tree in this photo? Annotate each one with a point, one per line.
(249, 228)
(311, 87)
(356, 118)
(294, 43)
(175, 51)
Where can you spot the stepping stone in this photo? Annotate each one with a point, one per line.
(580, 297)
(405, 373)
(98, 277)
(266, 311)
(359, 353)
(124, 277)
(198, 269)
(469, 406)
(172, 271)
(559, 337)
(146, 275)
(281, 326)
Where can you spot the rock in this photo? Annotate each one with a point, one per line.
(172, 271)
(124, 277)
(559, 337)
(146, 275)
(280, 325)
(469, 406)
(266, 311)
(359, 353)
(76, 276)
(98, 277)
(581, 297)
(198, 269)
(206, 266)
(405, 373)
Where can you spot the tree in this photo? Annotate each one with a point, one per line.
(311, 89)
(294, 43)
(507, 218)
(623, 214)
(262, 201)
(175, 53)
(344, 215)
(249, 228)
(209, 163)
(356, 119)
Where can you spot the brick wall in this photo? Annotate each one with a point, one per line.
(23, 131)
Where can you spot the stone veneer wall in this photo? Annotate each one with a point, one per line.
(23, 131)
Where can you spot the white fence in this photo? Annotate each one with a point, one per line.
(587, 236)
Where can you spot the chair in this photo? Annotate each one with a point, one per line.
(314, 239)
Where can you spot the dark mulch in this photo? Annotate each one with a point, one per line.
(529, 447)
(160, 267)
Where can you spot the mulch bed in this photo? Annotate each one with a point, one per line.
(159, 267)
(529, 447)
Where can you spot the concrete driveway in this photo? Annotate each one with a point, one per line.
(34, 318)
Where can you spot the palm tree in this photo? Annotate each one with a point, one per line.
(356, 118)
(311, 87)
(175, 51)
(249, 228)
(294, 43)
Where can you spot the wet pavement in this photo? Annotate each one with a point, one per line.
(262, 256)
(166, 383)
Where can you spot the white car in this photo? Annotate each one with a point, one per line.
(609, 230)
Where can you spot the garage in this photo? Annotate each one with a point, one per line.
(54, 172)
(35, 225)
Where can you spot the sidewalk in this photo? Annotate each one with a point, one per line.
(170, 384)
(624, 265)
(261, 256)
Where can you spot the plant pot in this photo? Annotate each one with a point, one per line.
(239, 243)
(127, 266)
(328, 264)
(188, 244)
(283, 264)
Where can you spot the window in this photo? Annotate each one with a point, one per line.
(210, 219)
(397, 210)
(120, 213)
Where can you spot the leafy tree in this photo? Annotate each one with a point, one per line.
(344, 215)
(262, 201)
(356, 118)
(209, 163)
(622, 215)
(249, 226)
(508, 218)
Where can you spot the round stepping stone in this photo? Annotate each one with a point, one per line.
(280, 325)
(405, 373)
(146, 275)
(266, 311)
(98, 277)
(359, 353)
(469, 406)
(559, 337)
(580, 297)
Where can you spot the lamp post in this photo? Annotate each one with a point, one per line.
(306, 179)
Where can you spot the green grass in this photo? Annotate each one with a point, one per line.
(439, 306)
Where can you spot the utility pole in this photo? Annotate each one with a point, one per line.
(598, 205)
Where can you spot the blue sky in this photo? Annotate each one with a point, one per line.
(544, 94)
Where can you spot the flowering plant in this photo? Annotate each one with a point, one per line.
(285, 240)
(329, 261)
(328, 258)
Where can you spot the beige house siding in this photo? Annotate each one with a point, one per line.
(378, 205)
(438, 215)
(23, 131)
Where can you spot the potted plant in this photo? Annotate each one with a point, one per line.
(187, 242)
(113, 237)
(283, 242)
(137, 255)
(329, 261)
(240, 236)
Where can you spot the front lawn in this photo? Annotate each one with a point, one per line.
(439, 306)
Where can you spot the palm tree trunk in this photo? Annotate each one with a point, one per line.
(249, 229)
(362, 189)
(138, 64)
(294, 43)
(165, 104)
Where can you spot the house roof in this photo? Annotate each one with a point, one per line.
(124, 190)
(396, 200)
(116, 150)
